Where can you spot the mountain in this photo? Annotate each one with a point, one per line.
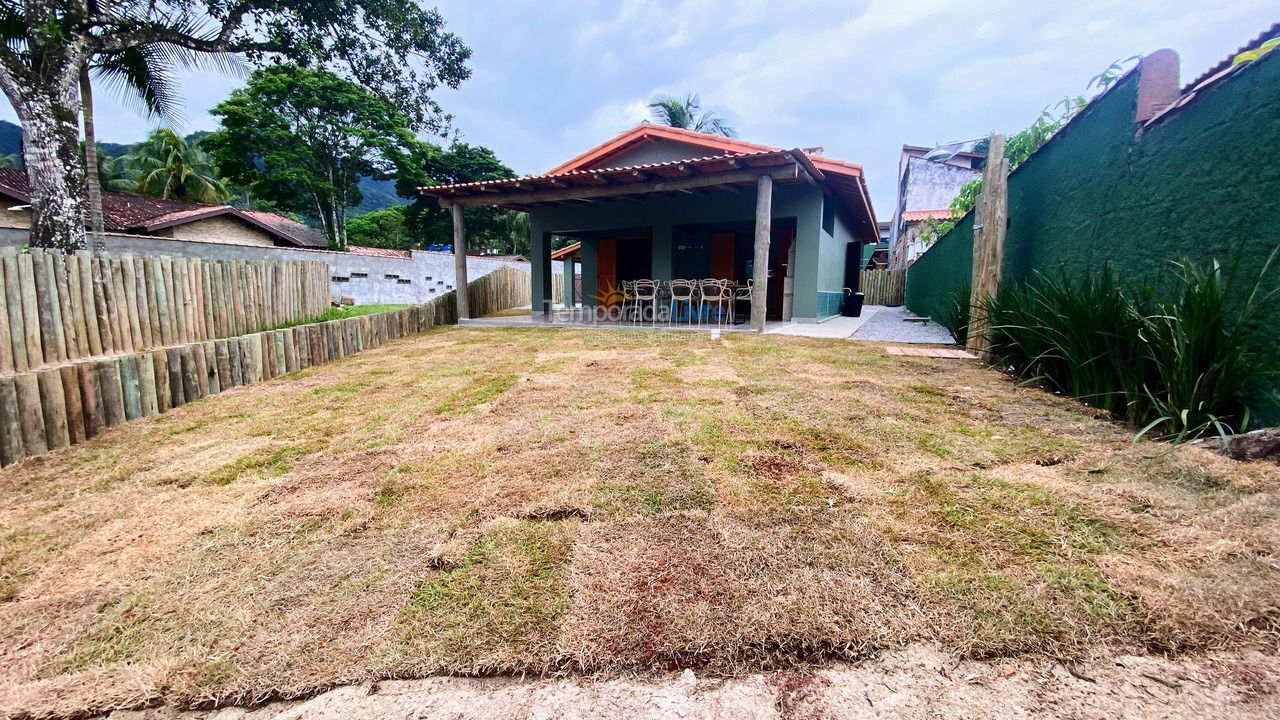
(378, 194)
(10, 138)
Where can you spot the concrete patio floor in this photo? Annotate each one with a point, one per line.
(876, 323)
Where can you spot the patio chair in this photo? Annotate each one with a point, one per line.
(708, 289)
(681, 298)
(719, 297)
(628, 291)
(742, 293)
(645, 291)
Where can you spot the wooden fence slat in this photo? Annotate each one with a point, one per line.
(11, 449)
(89, 301)
(66, 319)
(75, 409)
(90, 398)
(136, 317)
(17, 338)
(30, 312)
(30, 414)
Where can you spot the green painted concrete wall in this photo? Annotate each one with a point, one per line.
(1203, 183)
(816, 252)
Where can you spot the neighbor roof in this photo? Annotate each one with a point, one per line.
(917, 215)
(125, 212)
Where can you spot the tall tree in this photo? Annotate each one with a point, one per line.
(394, 47)
(686, 112)
(164, 165)
(303, 138)
(420, 163)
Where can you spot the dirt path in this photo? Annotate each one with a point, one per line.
(915, 683)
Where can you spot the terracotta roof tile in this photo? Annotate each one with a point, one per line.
(915, 215)
(377, 252)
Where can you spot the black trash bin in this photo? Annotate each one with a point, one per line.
(852, 303)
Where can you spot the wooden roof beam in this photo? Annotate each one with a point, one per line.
(788, 171)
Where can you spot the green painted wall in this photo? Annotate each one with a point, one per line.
(941, 271)
(1203, 184)
(657, 214)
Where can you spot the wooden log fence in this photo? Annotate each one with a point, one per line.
(883, 287)
(56, 308)
(45, 406)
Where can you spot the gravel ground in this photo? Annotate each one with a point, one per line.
(887, 325)
(912, 684)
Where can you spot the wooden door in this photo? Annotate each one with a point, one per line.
(722, 255)
(779, 249)
(607, 272)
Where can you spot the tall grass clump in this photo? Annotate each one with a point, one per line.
(1177, 362)
(955, 312)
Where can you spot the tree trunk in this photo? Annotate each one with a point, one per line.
(51, 151)
(93, 183)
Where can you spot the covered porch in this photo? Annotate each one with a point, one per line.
(750, 218)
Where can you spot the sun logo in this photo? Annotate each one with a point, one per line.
(609, 295)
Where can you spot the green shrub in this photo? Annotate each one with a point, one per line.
(1177, 363)
(955, 312)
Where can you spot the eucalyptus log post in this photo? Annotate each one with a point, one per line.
(190, 373)
(92, 331)
(53, 404)
(160, 369)
(75, 408)
(11, 450)
(213, 380)
(235, 362)
(130, 392)
(17, 338)
(147, 385)
(67, 315)
(90, 398)
(108, 372)
(460, 260)
(30, 414)
(6, 343)
(30, 313)
(760, 268)
(177, 397)
(222, 357)
(55, 347)
(988, 243)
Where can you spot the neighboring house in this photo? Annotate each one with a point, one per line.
(176, 219)
(659, 202)
(925, 191)
(876, 257)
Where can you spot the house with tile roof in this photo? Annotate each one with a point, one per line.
(925, 190)
(664, 203)
(182, 221)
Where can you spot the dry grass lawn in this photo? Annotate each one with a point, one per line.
(537, 500)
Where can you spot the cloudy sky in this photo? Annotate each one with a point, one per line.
(552, 78)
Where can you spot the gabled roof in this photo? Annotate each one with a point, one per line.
(125, 212)
(724, 156)
(717, 144)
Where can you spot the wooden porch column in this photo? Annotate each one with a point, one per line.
(760, 264)
(460, 261)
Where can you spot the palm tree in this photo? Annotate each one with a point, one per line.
(687, 113)
(141, 76)
(166, 166)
